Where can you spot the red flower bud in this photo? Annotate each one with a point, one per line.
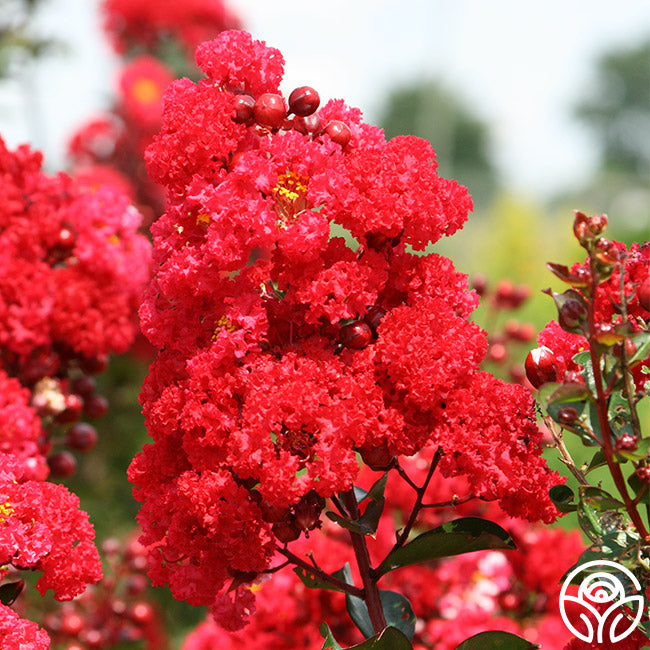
(339, 132)
(497, 352)
(627, 442)
(373, 317)
(244, 109)
(541, 366)
(286, 532)
(303, 101)
(62, 464)
(479, 284)
(567, 415)
(572, 314)
(377, 458)
(643, 474)
(82, 437)
(73, 407)
(355, 335)
(96, 406)
(643, 294)
(309, 125)
(270, 110)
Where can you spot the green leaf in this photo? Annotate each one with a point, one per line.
(592, 506)
(496, 641)
(562, 498)
(369, 520)
(330, 641)
(597, 460)
(642, 342)
(463, 535)
(637, 486)
(376, 492)
(568, 393)
(390, 639)
(311, 581)
(397, 612)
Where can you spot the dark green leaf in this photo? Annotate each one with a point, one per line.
(390, 639)
(376, 492)
(637, 486)
(496, 641)
(597, 460)
(355, 525)
(453, 538)
(593, 505)
(563, 497)
(330, 641)
(311, 581)
(568, 393)
(642, 342)
(397, 612)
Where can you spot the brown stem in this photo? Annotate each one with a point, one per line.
(452, 503)
(319, 573)
(370, 590)
(603, 418)
(564, 452)
(417, 506)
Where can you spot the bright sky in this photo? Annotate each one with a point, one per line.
(521, 65)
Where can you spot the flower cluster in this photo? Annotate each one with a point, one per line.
(296, 328)
(71, 274)
(514, 591)
(136, 25)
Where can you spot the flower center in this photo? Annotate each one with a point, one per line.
(289, 195)
(6, 510)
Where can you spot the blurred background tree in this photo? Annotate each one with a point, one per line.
(617, 114)
(459, 136)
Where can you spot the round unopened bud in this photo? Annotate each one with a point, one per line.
(286, 532)
(72, 624)
(307, 511)
(244, 109)
(308, 125)
(96, 406)
(82, 437)
(62, 464)
(567, 415)
(643, 474)
(270, 110)
(72, 411)
(303, 101)
(627, 442)
(355, 335)
(373, 317)
(377, 458)
(479, 283)
(339, 132)
(541, 366)
(572, 313)
(643, 294)
(497, 352)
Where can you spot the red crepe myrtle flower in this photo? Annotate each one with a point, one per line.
(255, 405)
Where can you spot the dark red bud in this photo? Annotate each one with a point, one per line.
(96, 406)
(286, 532)
(339, 132)
(377, 240)
(606, 252)
(572, 314)
(355, 335)
(83, 385)
(541, 366)
(627, 442)
(307, 511)
(65, 239)
(303, 101)
(73, 407)
(270, 110)
(377, 458)
(643, 294)
(82, 437)
(94, 365)
(479, 284)
(643, 474)
(567, 415)
(373, 317)
(244, 109)
(136, 584)
(309, 125)
(275, 514)
(62, 464)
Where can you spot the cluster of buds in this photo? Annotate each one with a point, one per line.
(115, 611)
(505, 339)
(357, 334)
(270, 113)
(290, 523)
(63, 400)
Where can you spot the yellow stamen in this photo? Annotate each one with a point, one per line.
(289, 195)
(202, 218)
(6, 510)
(224, 323)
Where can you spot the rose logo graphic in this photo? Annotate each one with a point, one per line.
(597, 589)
